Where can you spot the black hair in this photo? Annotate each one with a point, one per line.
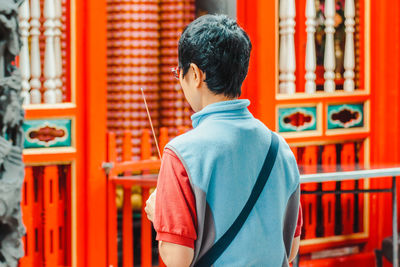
(220, 48)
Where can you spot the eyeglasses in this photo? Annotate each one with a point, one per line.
(176, 71)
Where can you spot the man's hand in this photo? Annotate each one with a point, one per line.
(150, 206)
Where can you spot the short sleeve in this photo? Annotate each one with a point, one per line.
(299, 223)
(175, 212)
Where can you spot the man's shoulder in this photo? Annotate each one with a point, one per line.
(214, 132)
(191, 137)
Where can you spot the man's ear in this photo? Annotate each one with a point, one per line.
(198, 75)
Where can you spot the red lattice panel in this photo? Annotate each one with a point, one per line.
(46, 214)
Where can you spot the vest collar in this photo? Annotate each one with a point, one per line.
(237, 107)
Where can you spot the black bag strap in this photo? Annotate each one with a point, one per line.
(219, 247)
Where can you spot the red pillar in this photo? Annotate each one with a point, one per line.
(385, 107)
(90, 84)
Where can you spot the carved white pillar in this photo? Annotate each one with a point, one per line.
(49, 55)
(311, 60)
(24, 54)
(57, 51)
(282, 46)
(349, 59)
(329, 57)
(291, 54)
(35, 53)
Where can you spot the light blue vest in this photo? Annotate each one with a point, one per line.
(223, 156)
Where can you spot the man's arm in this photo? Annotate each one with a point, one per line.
(172, 210)
(296, 240)
(295, 248)
(174, 255)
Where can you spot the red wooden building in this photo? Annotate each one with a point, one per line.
(87, 49)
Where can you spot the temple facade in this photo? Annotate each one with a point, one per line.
(324, 74)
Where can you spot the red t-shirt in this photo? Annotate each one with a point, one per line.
(175, 219)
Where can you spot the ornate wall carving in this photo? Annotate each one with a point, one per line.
(11, 137)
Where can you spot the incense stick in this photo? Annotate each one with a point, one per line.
(151, 123)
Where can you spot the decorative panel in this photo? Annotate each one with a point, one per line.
(47, 133)
(345, 116)
(297, 119)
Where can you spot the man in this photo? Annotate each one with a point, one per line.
(208, 173)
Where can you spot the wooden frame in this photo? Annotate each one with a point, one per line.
(66, 110)
(266, 100)
(382, 143)
(322, 98)
(86, 72)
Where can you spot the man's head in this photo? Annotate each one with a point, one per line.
(214, 54)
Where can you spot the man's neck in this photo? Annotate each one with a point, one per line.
(212, 98)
